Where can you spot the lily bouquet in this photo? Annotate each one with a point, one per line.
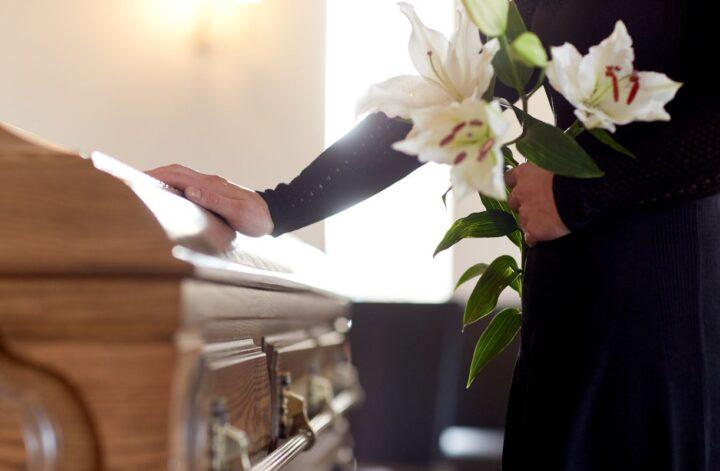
(457, 120)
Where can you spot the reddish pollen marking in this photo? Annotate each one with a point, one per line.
(485, 149)
(635, 80)
(610, 72)
(458, 127)
(476, 122)
(449, 138)
(460, 157)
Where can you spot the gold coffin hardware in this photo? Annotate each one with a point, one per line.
(295, 419)
(230, 440)
(228, 444)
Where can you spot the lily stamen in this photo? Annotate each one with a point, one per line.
(635, 80)
(450, 137)
(610, 71)
(485, 149)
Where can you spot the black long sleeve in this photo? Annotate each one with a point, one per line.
(677, 161)
(680, 163)
(356, 167)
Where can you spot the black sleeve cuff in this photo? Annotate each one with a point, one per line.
(272, 205)
(572, 203)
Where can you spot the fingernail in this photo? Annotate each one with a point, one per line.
(193, 193)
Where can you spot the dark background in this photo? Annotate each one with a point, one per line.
(413, 362)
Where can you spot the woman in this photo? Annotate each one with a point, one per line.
(619, 365)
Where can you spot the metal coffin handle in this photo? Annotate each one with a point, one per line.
(230, 445)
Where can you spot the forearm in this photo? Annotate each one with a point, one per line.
(678, 162)
(356, 167)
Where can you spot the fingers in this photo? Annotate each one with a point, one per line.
(174, 168)
(182, 177)
(513, 201)
(177, 180)
(211, 200)
(530, 240)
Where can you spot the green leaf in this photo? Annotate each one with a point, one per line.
(607, 139)
(508, 155)
(493, 204)
(548, 147)
(528, 49)
(496, 337)
(472, 272)
(498, 275)
(516, 284)
(445, 195)
(502, 61)
(485, 224)
(490, 16)
(489, 94)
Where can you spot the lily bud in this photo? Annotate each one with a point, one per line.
(528, 49)
(490, 16)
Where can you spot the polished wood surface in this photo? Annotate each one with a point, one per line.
(135, 326)
(43, 229)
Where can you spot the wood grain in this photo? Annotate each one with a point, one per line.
(239, 376)
(65, 216)
(122, 346)
(30, 393)
(107, 308)
(125, 389)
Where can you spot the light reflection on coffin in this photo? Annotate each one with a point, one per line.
(139, 331)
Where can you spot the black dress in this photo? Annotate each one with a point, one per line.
(619, 367)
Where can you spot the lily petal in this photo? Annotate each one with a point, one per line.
(655, 90)
(592, 119)
(463, 55)
(485, 69)
(425, 44)
(486, 176)
(468, 137)
(563, 73)
(616, 51)
(399, 96)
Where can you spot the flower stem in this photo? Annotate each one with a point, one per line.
(538, 83)
(518, 88)
(575, 129)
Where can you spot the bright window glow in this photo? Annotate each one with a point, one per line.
(386, 243)
(187, 16)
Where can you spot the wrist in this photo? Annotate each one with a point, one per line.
(259, 221)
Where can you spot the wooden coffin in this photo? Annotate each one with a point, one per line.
(138, 331)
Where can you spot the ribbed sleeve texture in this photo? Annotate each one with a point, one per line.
(677, 163)
(359, 165)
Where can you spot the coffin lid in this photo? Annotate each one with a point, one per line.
(65, 214)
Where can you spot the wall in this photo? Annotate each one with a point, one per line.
(126, 77)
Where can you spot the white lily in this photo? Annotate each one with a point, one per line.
(468, 136)
(604, 86)
(450, 71)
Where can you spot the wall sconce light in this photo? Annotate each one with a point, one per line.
(209, 14)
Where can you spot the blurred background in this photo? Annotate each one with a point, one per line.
(253, 90)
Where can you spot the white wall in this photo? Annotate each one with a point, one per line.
(126, 77)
